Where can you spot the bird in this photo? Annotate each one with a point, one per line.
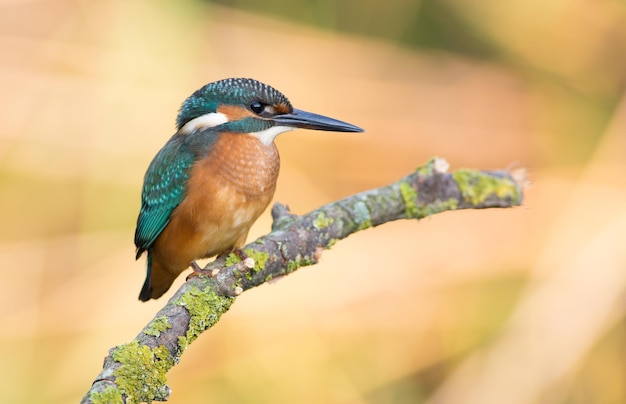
(215, 176)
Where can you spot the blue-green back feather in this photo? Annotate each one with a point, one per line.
(165, 183)
(163, 190)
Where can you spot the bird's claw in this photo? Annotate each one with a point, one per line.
(197, 271)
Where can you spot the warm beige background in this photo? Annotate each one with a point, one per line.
(518, 306)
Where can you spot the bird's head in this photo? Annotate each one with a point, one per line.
(247, 106)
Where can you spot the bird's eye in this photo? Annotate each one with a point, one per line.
(257, 107)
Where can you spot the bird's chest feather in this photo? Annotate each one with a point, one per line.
(233, 184)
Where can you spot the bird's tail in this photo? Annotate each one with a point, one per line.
(158, 280)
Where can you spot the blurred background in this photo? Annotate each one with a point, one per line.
(522, 305)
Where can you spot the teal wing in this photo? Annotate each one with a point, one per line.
(163, 190)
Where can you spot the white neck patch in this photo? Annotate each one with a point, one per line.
(204, 121)
(267, 136)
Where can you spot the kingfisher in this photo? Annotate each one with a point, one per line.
(215, 176)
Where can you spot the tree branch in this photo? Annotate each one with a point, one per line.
(136, 371)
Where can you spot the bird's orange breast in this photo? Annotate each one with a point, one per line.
(226, 193)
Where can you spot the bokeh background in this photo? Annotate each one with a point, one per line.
(522, 305)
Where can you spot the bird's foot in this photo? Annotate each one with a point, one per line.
(243, 265)
(198, 271)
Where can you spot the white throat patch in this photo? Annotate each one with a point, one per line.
(267, 136)
(204, 121)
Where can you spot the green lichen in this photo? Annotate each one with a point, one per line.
(437, 207)
(450, 204)
(362, 215)
(205, 308)
(409, 196)
(107, 396)
(183, 343)
(232, 259)
(292, 266)
(142, 374)
(331, 243)
(159, 325)
(476, 187)
(322, 221)
(426, 169)
(259, 257)
(298, 262)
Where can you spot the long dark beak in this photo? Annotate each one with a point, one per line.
(309, 120)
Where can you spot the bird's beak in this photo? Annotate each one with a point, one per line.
(309, 120)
